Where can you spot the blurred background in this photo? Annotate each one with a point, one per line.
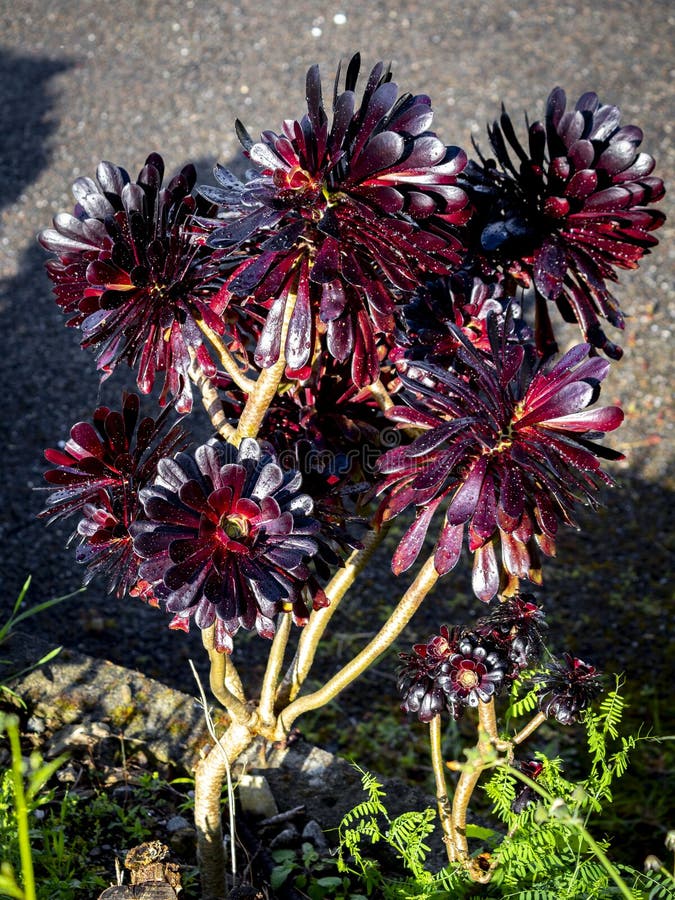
(83, 81)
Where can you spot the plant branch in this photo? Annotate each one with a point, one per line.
(230, 790)
(210, 399)
(266, 386)
(275, 661)
(227, 361)
(224, 681)
(399, 618)
(210, 773)
(465, 787)
(444, 807)
(529, 729)
(380, 393)
(312, 633)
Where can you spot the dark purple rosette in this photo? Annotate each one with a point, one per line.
(132, 275)
(340, 218)
(517, 625)
(565, 212)
(525, 795)
(566, 688)
(421, 680)
(509, 446)
(474, 672)
(227, 539)
(99, 473)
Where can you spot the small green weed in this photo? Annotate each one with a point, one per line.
(313, 874)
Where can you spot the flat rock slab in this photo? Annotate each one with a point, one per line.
(78, 698)
(75, 695)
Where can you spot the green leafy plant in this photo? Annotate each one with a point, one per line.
(311, 873)
(16, 617)
(543, 850)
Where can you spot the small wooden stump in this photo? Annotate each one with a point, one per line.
(152, 878)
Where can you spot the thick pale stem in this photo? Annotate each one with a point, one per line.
(211, 400)
(529, 729)
(275, 661)
(379, 392)
(266, 386)
(227, 361)
(224, 681)
(444, 807)
(399, 618)
(466, 786)
(311, 634)
(209, 776)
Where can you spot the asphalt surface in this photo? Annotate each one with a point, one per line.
(81, 81)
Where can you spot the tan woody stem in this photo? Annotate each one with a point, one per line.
(311, 634)
(210, 399)
(444, 807)
(209, 777)
(529, 729)
(227, 361)
(275, 662)
(394, 625)
(466, 785)
(266, 386)
(224, 680)
(379, 392)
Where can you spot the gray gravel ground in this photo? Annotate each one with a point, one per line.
(81, 81)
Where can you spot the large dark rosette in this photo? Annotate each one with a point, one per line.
(453, 670)
(509, 444)
(132, 276)
(566, 688)
(98, 474)
(227, 539)
(564, 213)
(340, 218)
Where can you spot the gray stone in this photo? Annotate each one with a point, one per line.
(313, 833)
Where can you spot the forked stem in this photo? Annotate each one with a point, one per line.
(266, 386)
(313, 631)
(210, 399)
(224, 680)
(227, 361)
(442, 799)
(275, 661)
(399, 618)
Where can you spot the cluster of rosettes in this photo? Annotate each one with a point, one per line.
(224, 535)
(134, 277)
(388, 267)
(458, 668)
(98, 475)
(464, 667)
(564, 213)
(340, 218)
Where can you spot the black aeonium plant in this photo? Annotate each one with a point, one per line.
(340, 217)
(566, 688)
(226, 539)
(132, 275)
(374, 278)
(98, 475)
(565, 212)
(508, 444)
